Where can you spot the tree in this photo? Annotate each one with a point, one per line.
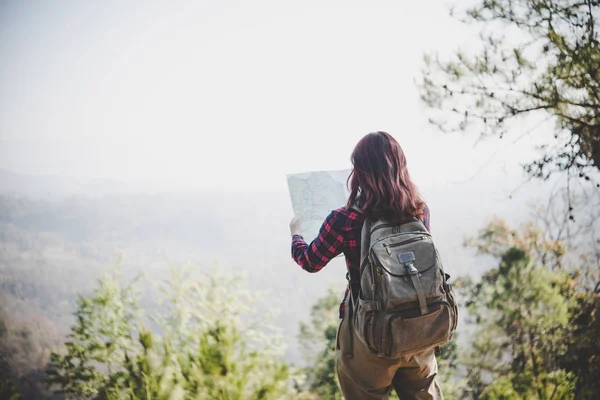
(526, 311)
(204, 348)
(583, 350)
(26, 339)
(9, 390)
(536, 58)
(318, 340)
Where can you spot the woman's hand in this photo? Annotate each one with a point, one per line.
(295, 227)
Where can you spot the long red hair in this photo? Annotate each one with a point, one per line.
(379, 182)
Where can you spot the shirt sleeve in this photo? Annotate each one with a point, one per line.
(426, 216)
(328, 244)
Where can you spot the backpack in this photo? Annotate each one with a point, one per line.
(405, 304)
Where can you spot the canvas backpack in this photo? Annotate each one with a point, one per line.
(405, 303)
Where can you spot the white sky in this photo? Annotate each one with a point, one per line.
(225, 95)
(233, 95)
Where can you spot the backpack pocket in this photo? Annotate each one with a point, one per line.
(407, 335)
(337, 335)
(364, 323)
(449, 293)
(453, 306)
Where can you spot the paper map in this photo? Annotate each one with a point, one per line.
(314, 195)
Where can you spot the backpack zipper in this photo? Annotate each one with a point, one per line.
(388, 246)
(424, 234)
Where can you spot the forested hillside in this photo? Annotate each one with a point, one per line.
(55, 250)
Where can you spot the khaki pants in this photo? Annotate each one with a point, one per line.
(365, 376)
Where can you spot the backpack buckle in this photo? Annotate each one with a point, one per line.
(408, 260)
(411, 269)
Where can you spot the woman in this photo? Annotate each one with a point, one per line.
(381, 188)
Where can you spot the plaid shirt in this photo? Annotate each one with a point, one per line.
(339, 233)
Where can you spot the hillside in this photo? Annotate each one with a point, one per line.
(55, 241)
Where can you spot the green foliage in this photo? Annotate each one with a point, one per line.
(318, 340)
(557, 385)
(523, 310)
(26, 338)
(535, 58)
(448, 361)
(8, 390)
(583, 351)
(210, 344)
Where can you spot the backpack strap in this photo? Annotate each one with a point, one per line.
(365, 242)
(351, 304)
(365, 238)
(420, 293)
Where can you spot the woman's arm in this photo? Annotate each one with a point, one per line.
(328, 244)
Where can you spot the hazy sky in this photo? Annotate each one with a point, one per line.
(225, 94)
(233, 95)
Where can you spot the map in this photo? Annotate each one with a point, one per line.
(314, 195)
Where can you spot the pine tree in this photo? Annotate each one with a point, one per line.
(537, 59)
(318, 340)
(209, 344)
(522, 311)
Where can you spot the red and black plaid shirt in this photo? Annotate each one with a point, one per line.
(339, 233)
